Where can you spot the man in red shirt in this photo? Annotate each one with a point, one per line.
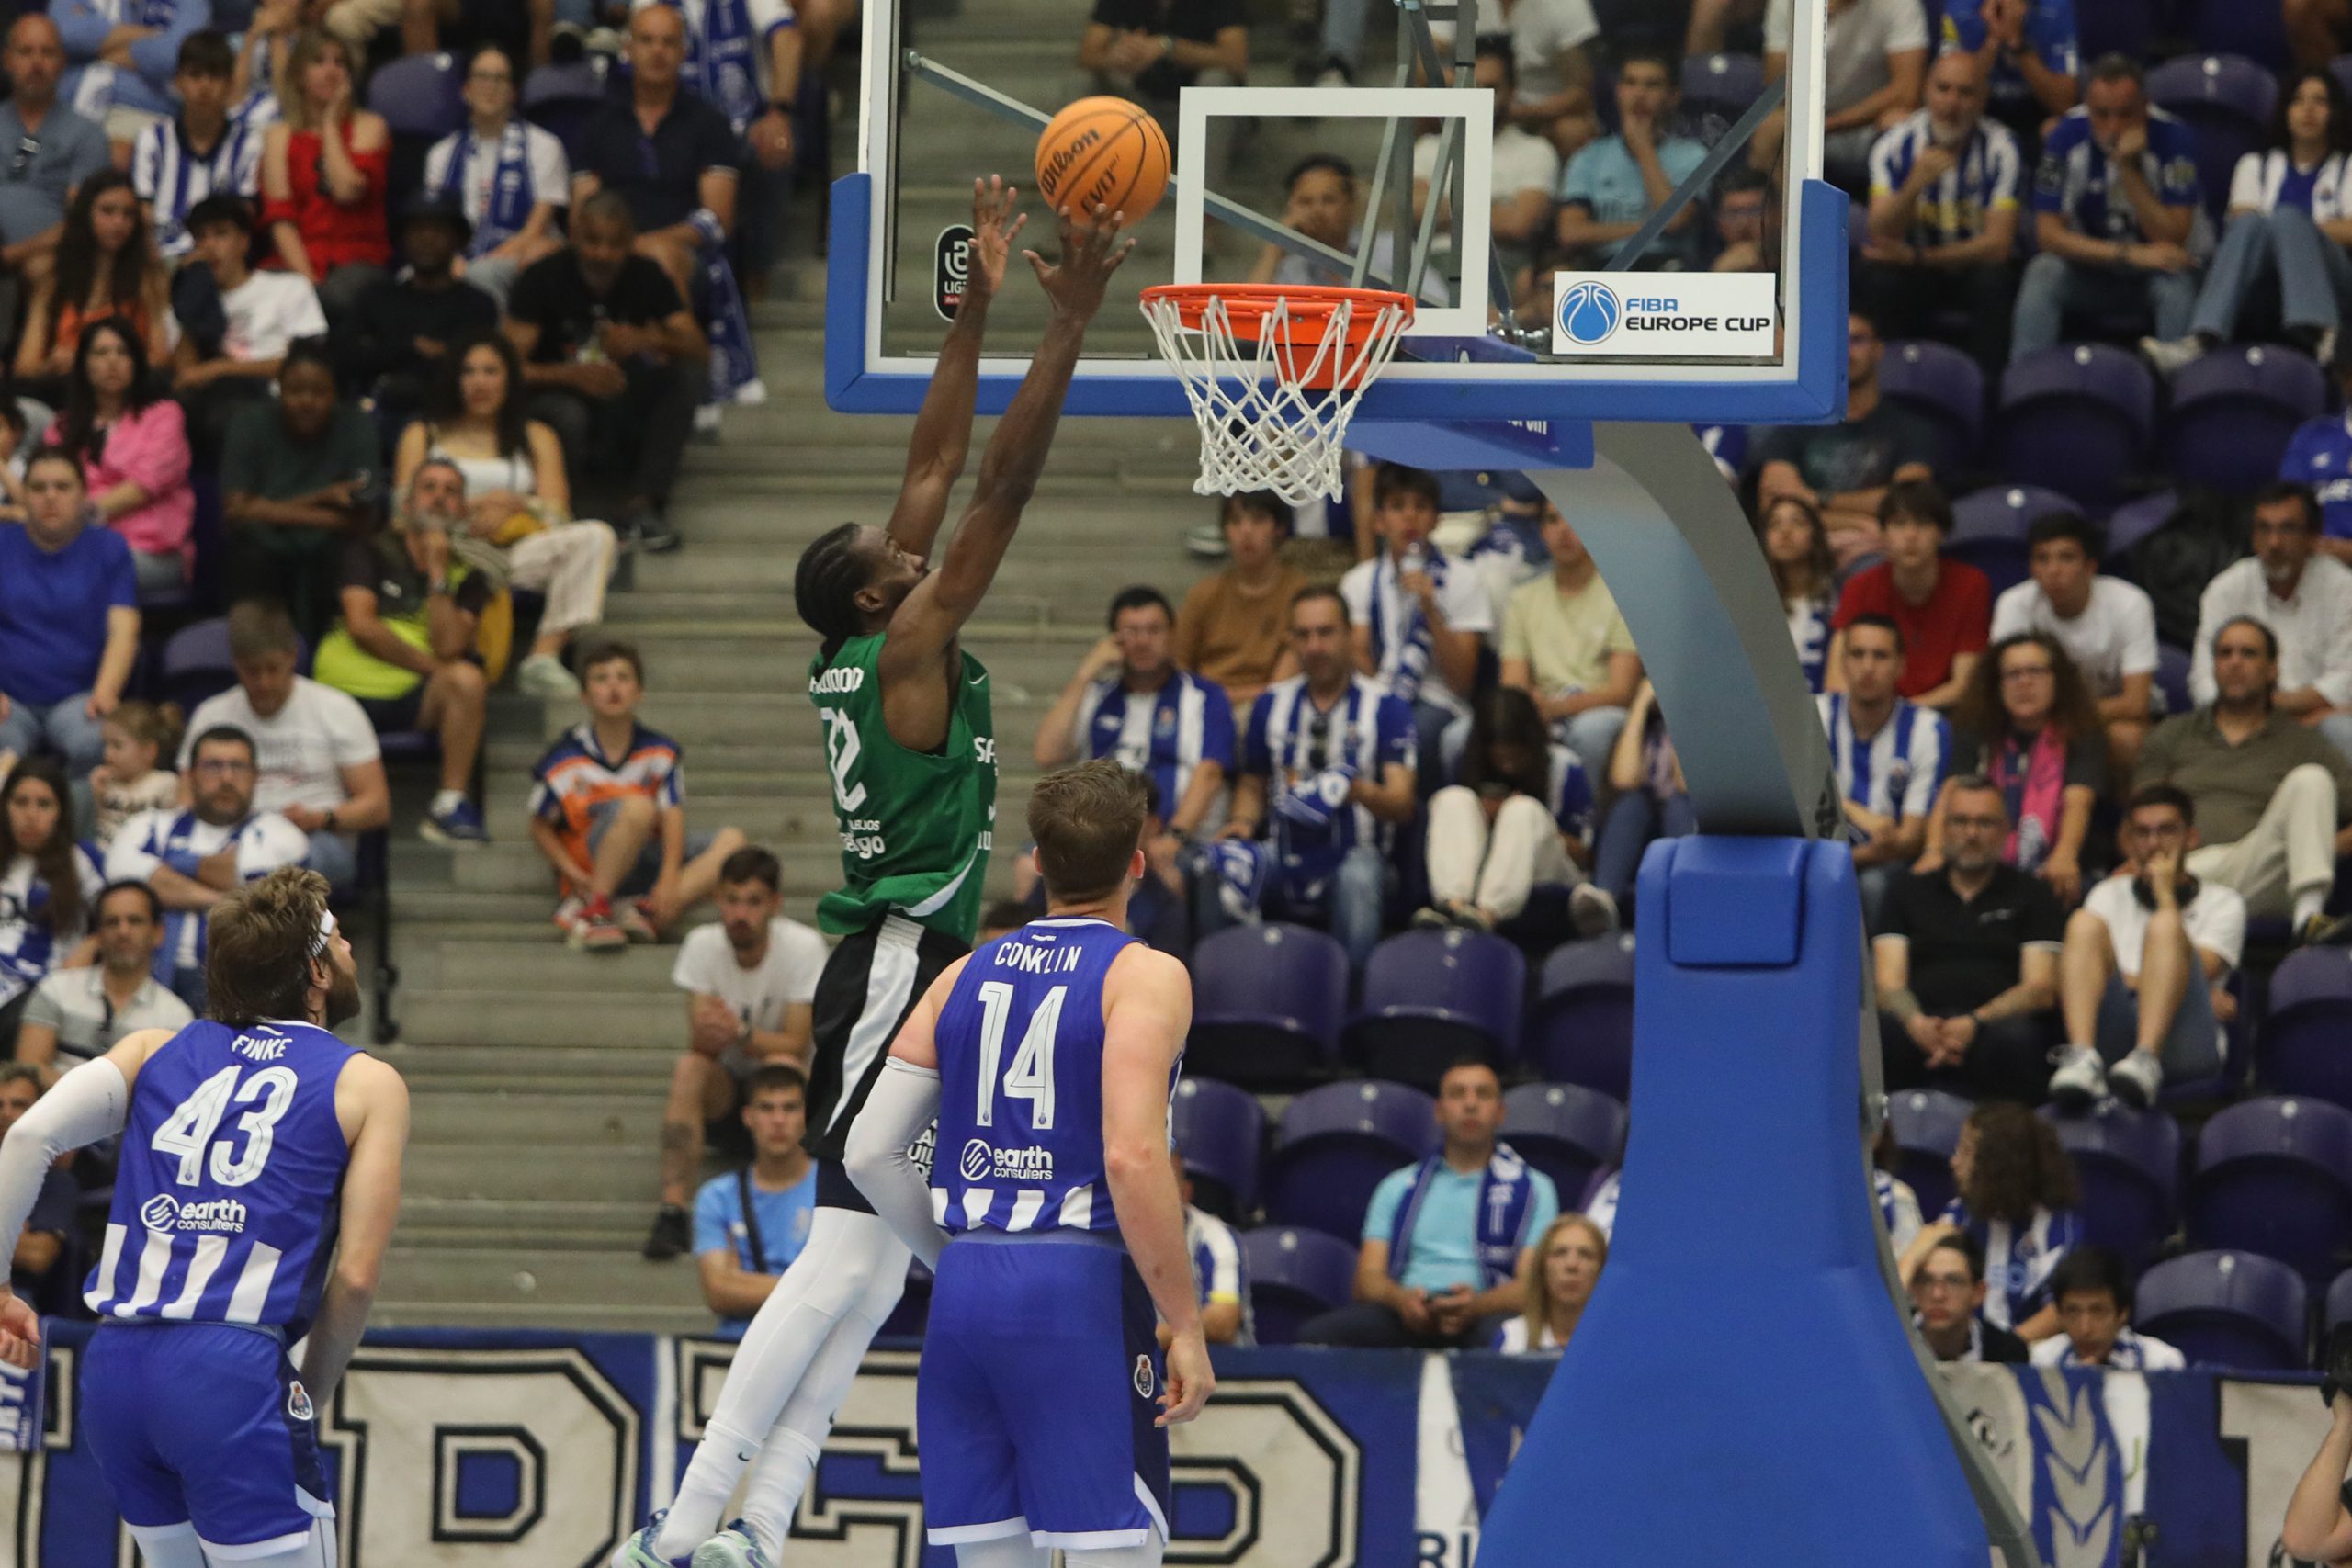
(1945, 608)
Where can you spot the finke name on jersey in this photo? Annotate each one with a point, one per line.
(271, 1050)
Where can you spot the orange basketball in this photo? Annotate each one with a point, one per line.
(1103, 150)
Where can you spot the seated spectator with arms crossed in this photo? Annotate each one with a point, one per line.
(1448, 1243)
(1889, 756)
(2144, 975)
(2270, 795)
(1327, 764)
(2093, 1290)
(321, 768)
(752, 1223)
(1129, 702)
(750, 980)
(192, 857)
(1967, 962)
(608, 810)
(2106, 625)
(403, 648)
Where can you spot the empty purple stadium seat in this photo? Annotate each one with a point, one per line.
(1271, 999)
(1581, 1030)
(1926, 1122)
(1431, 997)
(1721, 84)
(2226, 1309)
(1293, 1275)
(1564, 1130)
(2136, 519)
(2076, 417)
(2305, 1042)
(1942, 384)
(420, 94)
(561, 99)
(195, 664)
(2232, 26)
(2273, 1175)
(1336, 1143)
(2227, 99)
(1989, 528)
(2128, 1163)
(2339, 1303)
(2233, 410)
(1220, 1129)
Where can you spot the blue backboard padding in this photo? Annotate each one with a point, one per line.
(1736, 901)
(1746, 1213)
(1818, 395)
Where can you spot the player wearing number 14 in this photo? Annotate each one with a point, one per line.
(258, 1183)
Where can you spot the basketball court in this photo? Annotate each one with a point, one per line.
(1755, 1088)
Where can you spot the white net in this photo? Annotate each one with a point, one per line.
(1274, 397)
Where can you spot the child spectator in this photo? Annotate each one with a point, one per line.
(1943, 607)
(323, 169)
(264, 313)
(1518, 817)
(138, 736)
(1230, 628)
(2092, 1291)
(131, 442)
(752, 1223)
(106, 269)
(48, 885)
(1796, 546)
(2017, 1202)
(1568, 1260)
(608, 812)
(177, 162)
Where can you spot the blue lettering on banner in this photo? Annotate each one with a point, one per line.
(1728, 316)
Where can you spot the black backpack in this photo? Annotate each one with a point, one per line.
(2205, 533)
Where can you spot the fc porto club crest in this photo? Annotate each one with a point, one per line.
(297, 1400)
(1144, 1381)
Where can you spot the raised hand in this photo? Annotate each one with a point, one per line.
(1091, 252)
(994, 224)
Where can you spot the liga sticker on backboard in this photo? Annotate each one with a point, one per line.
(952, 268)
(1663, 315)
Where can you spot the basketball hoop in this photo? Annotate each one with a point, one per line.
(1274, 372)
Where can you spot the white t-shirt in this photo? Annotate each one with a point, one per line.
(303, 747)
(265, 842)
(266, 312)
(1461, 597)
(1541, 31)
(2255, 183)
(2134, 1352)
(785, 978)
(2215, 918)
(1512, 1340)
(1857, 41)
(2114, 637)
(1522, 161)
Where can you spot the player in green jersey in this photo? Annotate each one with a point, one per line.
(912, 750)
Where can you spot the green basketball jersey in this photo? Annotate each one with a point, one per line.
(916, 826)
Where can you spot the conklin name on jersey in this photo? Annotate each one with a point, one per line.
(916, 826)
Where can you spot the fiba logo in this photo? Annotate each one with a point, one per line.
(1589, 312)
(979, 1158)
(159, 1214)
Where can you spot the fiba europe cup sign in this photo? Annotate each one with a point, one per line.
(1663, 315)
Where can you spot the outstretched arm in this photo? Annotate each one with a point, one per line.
(930, 616)
(371, 1095)
(944, 429)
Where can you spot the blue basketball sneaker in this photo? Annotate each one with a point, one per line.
(732, 1548)
(637, 1551)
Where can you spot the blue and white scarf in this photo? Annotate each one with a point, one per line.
(721, 61)
(1412, 665)
(734, 367)
(1506, 1207)
(512, 194)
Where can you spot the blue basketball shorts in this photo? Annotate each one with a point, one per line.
(205, 1425)
(1036, 1402)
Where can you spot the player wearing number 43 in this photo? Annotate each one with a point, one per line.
(1049, 1058)
(911, 745)
(254, 1145)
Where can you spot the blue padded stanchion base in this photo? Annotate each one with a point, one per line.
(1740, 1384)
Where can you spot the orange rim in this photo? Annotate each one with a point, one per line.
(1308, 312)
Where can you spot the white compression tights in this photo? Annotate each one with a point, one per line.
(790, 1374)
(1016, 1551)
(176, 1546)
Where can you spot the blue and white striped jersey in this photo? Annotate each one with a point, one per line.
(1168, 733)
(1986, 178)
(1297, 747)
(28, 948)
(1896, 771)
(1020, 1043)
(170, 177)
(2077, 178)
(228, 1197)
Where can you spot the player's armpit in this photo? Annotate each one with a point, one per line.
(918, 1040)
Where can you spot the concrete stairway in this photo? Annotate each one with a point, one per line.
(538, 1073)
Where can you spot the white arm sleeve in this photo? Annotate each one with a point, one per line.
(903, 1100)
(88, 1103)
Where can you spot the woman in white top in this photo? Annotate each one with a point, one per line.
(2286, 207)
(1796, 546)
(1567, 1264)
(519, 499)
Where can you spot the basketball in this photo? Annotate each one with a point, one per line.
(1103, 150)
